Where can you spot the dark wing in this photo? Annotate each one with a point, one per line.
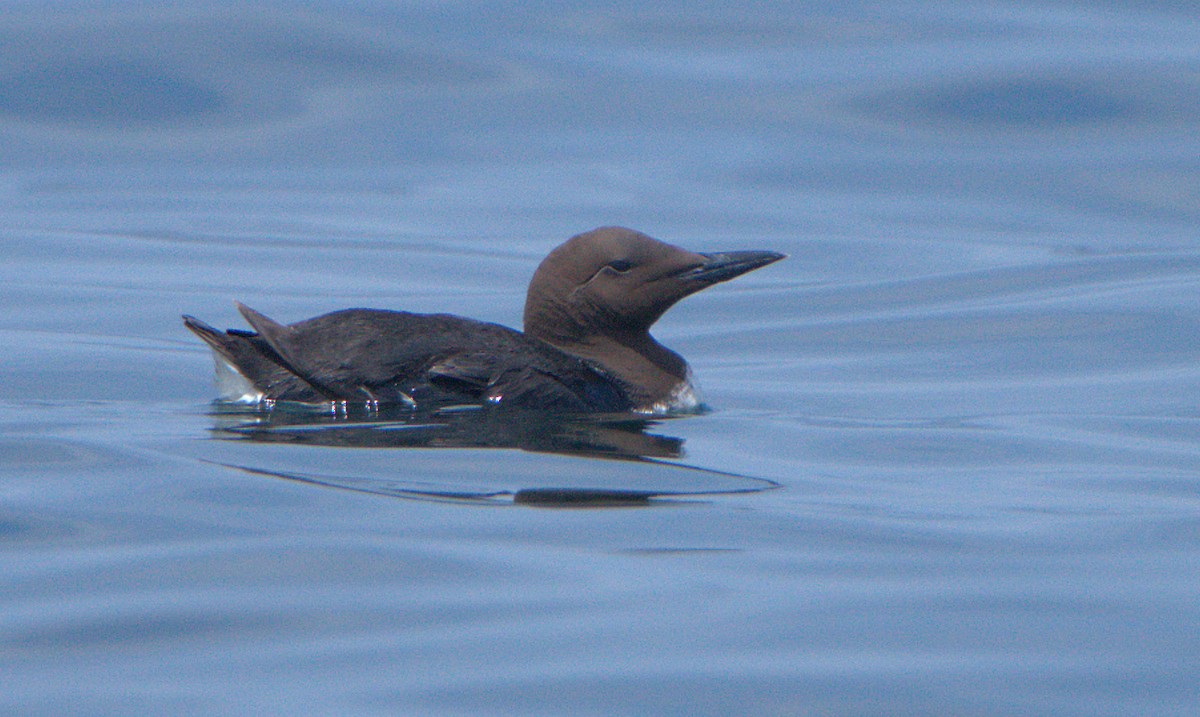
(569, 386)
(398, 357)
(387, 356)
(526, 376)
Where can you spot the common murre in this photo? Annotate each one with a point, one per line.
(586, 345)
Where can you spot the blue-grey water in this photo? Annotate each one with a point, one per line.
(952, 465)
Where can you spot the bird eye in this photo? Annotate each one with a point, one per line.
(620, 265)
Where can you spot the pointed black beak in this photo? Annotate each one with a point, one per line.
(726, 265)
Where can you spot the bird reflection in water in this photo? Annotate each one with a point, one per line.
(357, 426)
(621, 437)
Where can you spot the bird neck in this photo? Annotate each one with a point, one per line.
(652, 374)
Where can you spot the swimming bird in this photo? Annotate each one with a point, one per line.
(586, 346)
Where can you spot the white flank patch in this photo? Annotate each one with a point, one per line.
(684, 398)
(232, 385)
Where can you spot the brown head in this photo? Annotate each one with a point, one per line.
(598, 294)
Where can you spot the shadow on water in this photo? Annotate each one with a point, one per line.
(623, 442)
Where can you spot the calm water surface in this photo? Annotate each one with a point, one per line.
(953, 464)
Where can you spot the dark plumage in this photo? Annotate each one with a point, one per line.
(586, 345)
